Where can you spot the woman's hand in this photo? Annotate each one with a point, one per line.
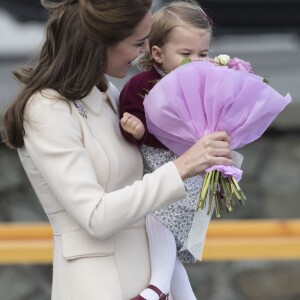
(212, 149)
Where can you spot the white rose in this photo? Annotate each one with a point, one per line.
(222, 59)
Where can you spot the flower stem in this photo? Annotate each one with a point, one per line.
(217, 189)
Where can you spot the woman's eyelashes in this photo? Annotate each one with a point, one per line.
(141, 44)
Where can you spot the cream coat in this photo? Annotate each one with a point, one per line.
(89, 182)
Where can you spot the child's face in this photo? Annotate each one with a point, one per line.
(182, 42)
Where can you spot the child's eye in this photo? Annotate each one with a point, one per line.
(203, 55)
(186, 54)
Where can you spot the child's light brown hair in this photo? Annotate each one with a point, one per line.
(169, 16)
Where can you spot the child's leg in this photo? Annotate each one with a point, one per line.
(162, 248)
(180, 284)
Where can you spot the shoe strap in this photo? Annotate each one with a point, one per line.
(161, 295)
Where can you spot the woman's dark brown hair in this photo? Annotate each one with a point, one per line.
(73, 57)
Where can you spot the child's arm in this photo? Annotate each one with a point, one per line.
(131, 101)
(133, 125)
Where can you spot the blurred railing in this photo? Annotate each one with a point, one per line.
(22, 243)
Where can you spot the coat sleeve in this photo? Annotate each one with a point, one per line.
(53, 139)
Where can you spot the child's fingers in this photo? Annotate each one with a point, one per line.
(125, 119)
(126, 115)
(130, 124)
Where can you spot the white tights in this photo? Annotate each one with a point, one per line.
(167, 272)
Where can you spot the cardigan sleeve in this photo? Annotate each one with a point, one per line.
(132, 101)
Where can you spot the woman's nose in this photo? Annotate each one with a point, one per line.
(145, 47)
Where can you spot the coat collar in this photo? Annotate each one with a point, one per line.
(112, 100)
(94, 101)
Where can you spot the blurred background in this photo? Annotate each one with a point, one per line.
(264, 32)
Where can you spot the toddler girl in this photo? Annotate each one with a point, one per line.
(179, 30)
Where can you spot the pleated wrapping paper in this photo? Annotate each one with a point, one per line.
(199, 98)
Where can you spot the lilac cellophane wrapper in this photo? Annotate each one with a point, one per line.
(199, 98)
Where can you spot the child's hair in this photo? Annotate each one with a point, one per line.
(169, 16)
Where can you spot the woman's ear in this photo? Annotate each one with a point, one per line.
(157, 54)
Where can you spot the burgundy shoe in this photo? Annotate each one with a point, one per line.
(139, 297)
(161, 295)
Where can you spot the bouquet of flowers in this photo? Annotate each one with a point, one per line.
(203, 96)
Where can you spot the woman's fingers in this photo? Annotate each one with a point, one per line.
(218, 136)
(217, 149)
(212, 149)
(220, 160)
(220, 148)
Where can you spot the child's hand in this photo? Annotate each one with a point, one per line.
(133, 125)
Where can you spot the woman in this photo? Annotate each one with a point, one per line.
(88, 179)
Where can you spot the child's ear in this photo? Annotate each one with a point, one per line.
(157, 54)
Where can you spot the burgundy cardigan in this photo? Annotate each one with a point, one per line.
(131, 101)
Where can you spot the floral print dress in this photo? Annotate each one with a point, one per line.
(188, 226)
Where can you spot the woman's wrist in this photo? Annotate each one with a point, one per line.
(181, 167)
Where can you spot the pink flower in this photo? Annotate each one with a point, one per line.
(239, 64)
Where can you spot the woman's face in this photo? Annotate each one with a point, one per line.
(182, 42)
(121, 55)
